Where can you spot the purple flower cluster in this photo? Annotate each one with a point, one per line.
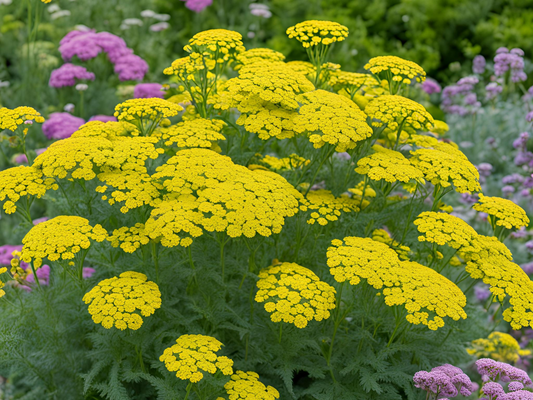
(22, 159)
(431, 86)
(67, 74)
(512, 61)
(492, 90)
(482, 292)
(61, 125)
(197, 5)
(495, 370)
(88, 44)
(6, 254)
(460, 98)
(479, 64)
(147, 90)
(529, 116)
(445, 380)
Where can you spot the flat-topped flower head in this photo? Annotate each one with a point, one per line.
(294, 294)
(445, 380)
(199, 132)
(19, 182)
(352, 82)
(192, 355)
(59, 238)
(443, 228)
(12, 119)
(329, 118)
(324, 207)
(401, 70)
(247, 386)
(429, 142)
(289, 163)
(395, 111)
(313, 33)
(504, 212)
(426, 295)
(381, 235)
(446, 169)
(221, 45)
(388, 165)
(207, 191)
(110, 130)
(496, 370)
(302, 67)
(141, 111)
(123, 301)
(185, 68)
(129, 239)
(499, 346)
(254, 55)
(440, 127)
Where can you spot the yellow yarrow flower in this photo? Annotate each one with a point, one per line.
(22, 181)
(110, 130)
(12, 119)
(59, 238)
(220, 45)
(324, 207)
(246, 386)
(193, 354)
(143, 111)
(440, 127)
(429, 142)
(129, 239)
(426, 295)
(289, 163)
(254, 55)
(381, 235)
(504, 212)
(499, 346)
(351, 82)
(442, 228)
(329, 118)
(395, 111)
(199, 132)
(401, 70)
(207, 191)
(2, 284)
(294, 294)
(388, 165)
(123, 301)
(302, 67)
(447, 169)
(312, 33)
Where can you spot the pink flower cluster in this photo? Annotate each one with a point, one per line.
(61, 125)
(88, 44)
(444, 381)
(148, 90)
(67, 74)
(197, 5)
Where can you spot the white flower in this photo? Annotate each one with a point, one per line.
(132, 21)
(148, 14)
(260, 10)
(81, 87)
(53, 8)
(162, 17)
(6, 2)
(4, 84)
(69, 107)
(60, 14)
(82, 28)
(160, 26)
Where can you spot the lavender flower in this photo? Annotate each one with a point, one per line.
(493, 89)
(518, 395)
(521, 142)
(431, 86)
(482, 293)
(467, 198)
(61, 125)
(493, 390)
(131, 67)
(42, 273)
(197, 5)
(513, 178)
(484, 169)
(529, 116)
(479, 64)
(496, 370)
(159, 27)
(445, 380)
(510, 61)
(514, 386)
(507, 190)
(67, 74)
(113, 45)
(103, 118)
(147, 90)
(260, 10)
(79, 44)
(529, 246)
(22, 159)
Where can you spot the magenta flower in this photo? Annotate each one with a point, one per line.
(131, 67)
(43, 274)
(6, 253)
(496, 370)
(197, 5)
(431, 86)
(61, 125)
(445, 380)
(79, 44)
(147, 90)
(67, 74)
(22, 159)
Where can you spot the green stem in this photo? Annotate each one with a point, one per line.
(328, 154)
(280, 331)
(155, 259)
(35, 275)
(189, 387)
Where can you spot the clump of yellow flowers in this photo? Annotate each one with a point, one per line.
(499, 346)
(313, 33)
(247, 386)
(193, 354)
(294, 294)
(502, 212)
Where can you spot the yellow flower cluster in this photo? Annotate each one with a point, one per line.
(59, 238)
(357, 193)
(144, 110)
(312, 33)
(499, 346)
(445, 169)
(302, 67)
(504, 212)
(2, 284)
(209, 192)
(129, 238)
(12, 119)
(199, 132)
(115, 301)
(291, 162)
(221, 45)
(254, 55)
(265, 93)
(294, 294)
(22, 181)
(185, 68)
(389, 165)
(404, 71)
(108, 130)
(440, 127)
(426, 295)
(487, 259)
(381, 235)
(325, 207)
(195, 353)
(329, 118)
(396, 111)
(351, 81)
(429, 142)
(246, 386)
